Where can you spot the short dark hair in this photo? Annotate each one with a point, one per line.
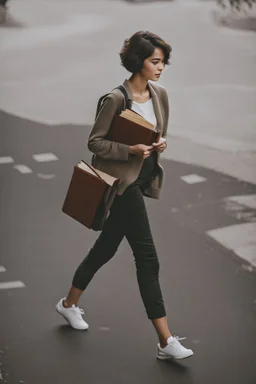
(139, 47)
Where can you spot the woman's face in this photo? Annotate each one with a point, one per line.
(153, 65)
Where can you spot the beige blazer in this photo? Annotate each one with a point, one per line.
(114, 158)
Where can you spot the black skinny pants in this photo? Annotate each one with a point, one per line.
(128, 217)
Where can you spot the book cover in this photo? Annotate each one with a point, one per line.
(90, 195)
(131, 129)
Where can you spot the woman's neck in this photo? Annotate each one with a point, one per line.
(138, 85)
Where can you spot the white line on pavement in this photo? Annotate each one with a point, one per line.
(45, 176)
(248, 201)
(239, 238)
(6, 160)
(22, 168)
(12, 284)
(193, 179)
(44, 157)
(2, 269)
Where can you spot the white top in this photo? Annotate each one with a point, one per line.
(146, 110)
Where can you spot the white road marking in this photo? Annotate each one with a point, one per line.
(241, 207)
(23, 168)
(45, 176)
(239, 238)
(44, 157)
(2, 269)
(193, 179)
(248, 268)
(248, 201)
(6, 160)
(12, 284)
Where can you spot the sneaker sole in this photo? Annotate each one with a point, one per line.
(78, 329)
(159, 357)
(162, 356)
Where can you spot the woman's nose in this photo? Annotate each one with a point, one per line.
(161, 67)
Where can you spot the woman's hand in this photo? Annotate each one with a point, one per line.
(160, 146)
(141, 150)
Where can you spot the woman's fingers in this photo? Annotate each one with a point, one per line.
(146, 154)
(160, 142)
(160, 149)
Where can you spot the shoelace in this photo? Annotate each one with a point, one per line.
(79, 311)
(176, 342)
(179, 338)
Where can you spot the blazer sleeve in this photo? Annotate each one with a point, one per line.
(97, 143)
(167, 109)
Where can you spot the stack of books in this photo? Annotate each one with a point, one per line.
(131, 128)
(90, 195)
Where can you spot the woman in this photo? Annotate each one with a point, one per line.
(145, 56)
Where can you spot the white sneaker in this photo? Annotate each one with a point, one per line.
(174, 349)
(72, 315)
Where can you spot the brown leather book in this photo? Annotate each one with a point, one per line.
(90, 195)
(131, 128)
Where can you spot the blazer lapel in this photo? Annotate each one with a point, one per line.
(157, 109)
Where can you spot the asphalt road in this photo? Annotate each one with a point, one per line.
(209, 292)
